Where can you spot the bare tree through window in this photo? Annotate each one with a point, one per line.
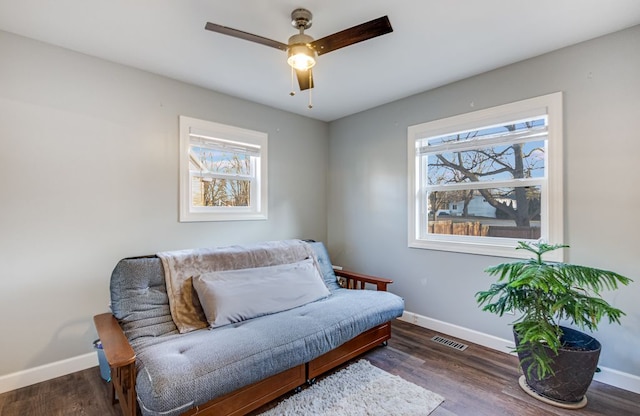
(462, 167)
(222, 178)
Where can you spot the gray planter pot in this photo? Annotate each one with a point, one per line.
(574, 368)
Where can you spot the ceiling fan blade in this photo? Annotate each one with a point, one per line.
(305, 78)
(246, 36)
(362, 32)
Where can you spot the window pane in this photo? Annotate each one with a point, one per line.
(514, 128)
(494, 212)
(499, 162)
(208, 192)
(217, 161)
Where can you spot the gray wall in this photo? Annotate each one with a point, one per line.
(89, 174)
(368, 185)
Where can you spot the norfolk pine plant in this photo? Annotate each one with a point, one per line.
(546, 293)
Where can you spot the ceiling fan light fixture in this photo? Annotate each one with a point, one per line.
(301, 57)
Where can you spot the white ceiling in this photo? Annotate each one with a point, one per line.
(434, 42)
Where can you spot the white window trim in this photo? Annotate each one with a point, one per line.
(258, 210)
(552, 209)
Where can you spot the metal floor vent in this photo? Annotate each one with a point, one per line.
(449, 343)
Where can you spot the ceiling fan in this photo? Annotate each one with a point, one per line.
(302, 49)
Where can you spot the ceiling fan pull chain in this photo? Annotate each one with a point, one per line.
(310, 89)
(292, 93)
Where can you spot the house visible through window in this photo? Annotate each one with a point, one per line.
(482, 181)
(222, 172)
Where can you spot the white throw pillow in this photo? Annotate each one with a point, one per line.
(236, 295)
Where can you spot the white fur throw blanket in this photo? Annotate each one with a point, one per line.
(180, 267)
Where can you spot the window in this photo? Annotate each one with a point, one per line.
(223, 172)
(482, 181)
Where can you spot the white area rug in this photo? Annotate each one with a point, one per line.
(361, 389)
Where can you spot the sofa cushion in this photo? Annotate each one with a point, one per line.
(139, 298)
(237, 295)
(186, 370)
(325, 265)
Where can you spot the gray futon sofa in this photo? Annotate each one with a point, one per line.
(227, 362)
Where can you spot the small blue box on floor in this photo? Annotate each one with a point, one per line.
(105, 371)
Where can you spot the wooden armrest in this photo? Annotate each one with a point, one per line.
(381, 283)
(115, 345)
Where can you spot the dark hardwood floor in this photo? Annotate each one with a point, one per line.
(480, 381)
(475, 382)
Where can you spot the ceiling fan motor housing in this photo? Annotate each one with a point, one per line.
(301, 18)
(300, 39)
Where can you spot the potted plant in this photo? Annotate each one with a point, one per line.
(558, 363)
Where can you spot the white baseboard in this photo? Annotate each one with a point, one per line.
(46, 372)
(618, 379)
(606, 375)
(489, 341)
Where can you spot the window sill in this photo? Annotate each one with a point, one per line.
(499, 248)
